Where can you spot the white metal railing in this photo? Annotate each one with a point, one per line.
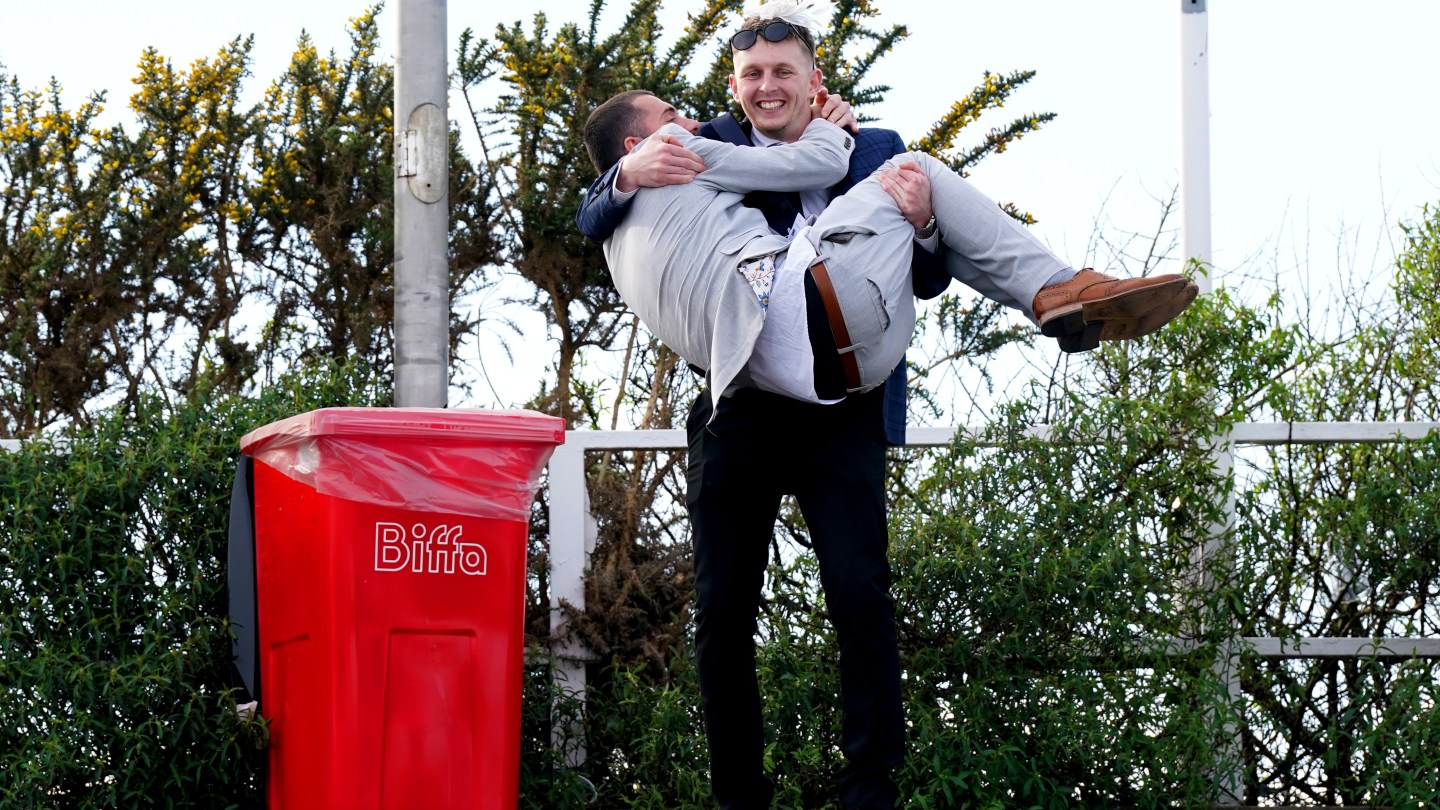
(572, 530)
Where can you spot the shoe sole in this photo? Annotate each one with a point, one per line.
(1121, 317)
(1165, 313)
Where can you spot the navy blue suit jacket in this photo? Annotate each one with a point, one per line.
(600, 214)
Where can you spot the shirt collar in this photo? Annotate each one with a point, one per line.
(761, 139)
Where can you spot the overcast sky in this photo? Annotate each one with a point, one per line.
(1324, 128)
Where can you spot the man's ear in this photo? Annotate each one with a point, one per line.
(817, 80)
(629, 142)
(733, 92)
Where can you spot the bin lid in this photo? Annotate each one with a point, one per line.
(479, 462)
(435, 424)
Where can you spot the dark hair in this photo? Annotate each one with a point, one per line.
(609, 125)
(801, 33)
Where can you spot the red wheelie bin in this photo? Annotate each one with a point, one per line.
(389, 571)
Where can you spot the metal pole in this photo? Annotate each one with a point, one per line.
(1195, 136)
(422, 207)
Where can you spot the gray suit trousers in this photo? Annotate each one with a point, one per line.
(866, 245)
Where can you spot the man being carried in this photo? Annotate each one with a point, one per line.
(711, 279)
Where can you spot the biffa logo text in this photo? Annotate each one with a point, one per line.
(426, 550)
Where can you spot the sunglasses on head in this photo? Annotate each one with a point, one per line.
(776, 31)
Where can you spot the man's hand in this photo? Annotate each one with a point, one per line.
(910, 187)
(834, 109)
(660, 161)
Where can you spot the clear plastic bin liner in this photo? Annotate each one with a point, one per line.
(481, 463)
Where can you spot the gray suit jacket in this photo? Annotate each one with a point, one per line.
(674, 258)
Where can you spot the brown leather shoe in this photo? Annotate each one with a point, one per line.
(1089, 338)
(1092, 307)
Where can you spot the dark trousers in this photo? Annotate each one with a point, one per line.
(759, 448)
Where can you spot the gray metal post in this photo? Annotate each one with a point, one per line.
(1195, 135)
(422, 207)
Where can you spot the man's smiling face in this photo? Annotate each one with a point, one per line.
(774, 83)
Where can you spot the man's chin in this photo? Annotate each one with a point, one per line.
(775, 126)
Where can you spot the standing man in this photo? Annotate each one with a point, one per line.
(832, 461)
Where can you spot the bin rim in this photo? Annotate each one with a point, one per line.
(432, 424)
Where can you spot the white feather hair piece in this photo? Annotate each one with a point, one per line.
(814, 15)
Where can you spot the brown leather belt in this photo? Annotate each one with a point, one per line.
(837, 324)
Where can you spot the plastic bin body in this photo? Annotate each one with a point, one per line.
(390, 550)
